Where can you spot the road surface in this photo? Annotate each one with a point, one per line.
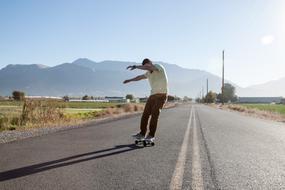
(197, 147)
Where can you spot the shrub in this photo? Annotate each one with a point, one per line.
(11, 128)
(41, 112)
(8, 121)
(3, 122)
(130, 96)
(136, 108)
(18, 95)
(86, 97)
(15, 121)
(128, 108)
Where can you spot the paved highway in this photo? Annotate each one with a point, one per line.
(197, 147)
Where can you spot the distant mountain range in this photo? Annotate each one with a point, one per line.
(105, 78)
(271, 88)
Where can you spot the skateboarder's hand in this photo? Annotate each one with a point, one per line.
(132, 67)
(126, 81)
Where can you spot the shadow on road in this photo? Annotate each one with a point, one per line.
(36, 168)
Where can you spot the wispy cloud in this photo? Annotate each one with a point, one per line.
(268, 39)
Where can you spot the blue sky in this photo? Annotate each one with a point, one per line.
(188, 33)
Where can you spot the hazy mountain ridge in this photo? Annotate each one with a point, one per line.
(84, 76)
(271, 88)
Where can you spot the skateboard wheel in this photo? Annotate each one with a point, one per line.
(144, 143)
(152, 144)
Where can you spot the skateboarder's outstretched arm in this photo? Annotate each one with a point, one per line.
(137, 78)
(148, 67)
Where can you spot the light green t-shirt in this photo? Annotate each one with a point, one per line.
(158, 80)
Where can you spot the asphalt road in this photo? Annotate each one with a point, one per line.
(197, 147)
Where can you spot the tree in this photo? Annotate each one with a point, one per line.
(170, 98)
(219, 97)
(229, 93)
(65, 98)
(130, 96)
(18, 95)
(86, 97)
(211, 97)
(176, 98)
(187, 99)
(198, 100)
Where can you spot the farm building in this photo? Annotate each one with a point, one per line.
(80, 100)
(44, 97)
(115, 99)
(261, 100)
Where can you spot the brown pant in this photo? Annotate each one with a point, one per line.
(152, 108)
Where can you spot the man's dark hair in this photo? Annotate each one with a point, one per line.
(145, 61)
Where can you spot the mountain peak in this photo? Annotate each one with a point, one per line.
(31, 66)
(41, 66)
(82, 60)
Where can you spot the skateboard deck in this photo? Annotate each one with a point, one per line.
(144, 142)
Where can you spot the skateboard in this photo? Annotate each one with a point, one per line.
(144, 142)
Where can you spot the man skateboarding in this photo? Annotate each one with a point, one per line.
(158, 81)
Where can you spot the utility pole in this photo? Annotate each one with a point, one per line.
(223, 77)
(207, 90)
(207, 86)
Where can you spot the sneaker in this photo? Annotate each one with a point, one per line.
(150, 138)
(138, 136)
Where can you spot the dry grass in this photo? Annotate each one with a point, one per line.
(41, 113)
(34, 113)
(264, 114)
(123, 108)
(49, 113)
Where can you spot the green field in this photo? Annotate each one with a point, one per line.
(76, 110)
(16, 110)
(92, 105)
(10, 109)
(277, 108)
(10, 103)
(15, 107)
